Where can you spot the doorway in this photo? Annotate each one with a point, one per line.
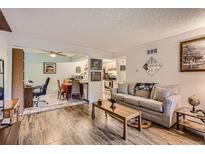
(114, 72)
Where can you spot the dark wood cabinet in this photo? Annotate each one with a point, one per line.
(28, 97)
(18, 76)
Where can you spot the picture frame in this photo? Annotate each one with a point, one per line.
(78, 69)
(49, 68)
(192, 55)
(122, 68)
(96, 64)
(95, 76)
(1, 66)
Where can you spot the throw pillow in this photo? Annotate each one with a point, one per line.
(160, 94)
(123, 88)
(131, 88)
(152, 91)
(174, 88)
(143, 89)
(143, 93)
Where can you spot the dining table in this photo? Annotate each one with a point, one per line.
(67, 88)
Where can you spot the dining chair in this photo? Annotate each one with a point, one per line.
(75, 89)
(61, 92)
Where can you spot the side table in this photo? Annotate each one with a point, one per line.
(185, 112)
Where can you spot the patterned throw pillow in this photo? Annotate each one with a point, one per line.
(143, 89)
(142, 93)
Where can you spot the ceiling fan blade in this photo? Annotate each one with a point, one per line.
(56, 53)
(59, 54)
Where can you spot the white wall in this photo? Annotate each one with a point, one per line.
(95, 87)
(5, 54)
(168, 55)
(121, 75)
(34, 69)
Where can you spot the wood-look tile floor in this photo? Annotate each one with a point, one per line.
(73, 125)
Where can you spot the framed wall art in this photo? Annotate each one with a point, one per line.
(95, 76)
(78, 69)
(1, 66)
(96, 64)
(192, 55)
(49, 68)
(122, 68)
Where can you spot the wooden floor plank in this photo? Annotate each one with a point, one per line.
(73, 125)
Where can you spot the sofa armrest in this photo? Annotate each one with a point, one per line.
(171, 103)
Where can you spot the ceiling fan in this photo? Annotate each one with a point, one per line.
(53, 53)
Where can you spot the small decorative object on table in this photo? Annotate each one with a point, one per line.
(201, 113)
(194, 101)
(113, 101)
(99, 102)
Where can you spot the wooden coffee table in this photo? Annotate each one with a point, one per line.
(185, 112)
(121, 112)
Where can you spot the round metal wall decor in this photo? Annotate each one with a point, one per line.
(152, 66)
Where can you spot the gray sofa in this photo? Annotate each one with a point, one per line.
(160, 112)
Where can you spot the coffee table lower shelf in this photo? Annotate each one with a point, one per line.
(181, 118)
(193, 125)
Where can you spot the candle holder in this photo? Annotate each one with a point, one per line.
(113, 101)
(99, 102)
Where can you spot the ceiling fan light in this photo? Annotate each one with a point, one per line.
(53, 55)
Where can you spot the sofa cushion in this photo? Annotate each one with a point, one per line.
(160, 94)
(131, 88)
(152, 105)
(123, 88)
(134, 100)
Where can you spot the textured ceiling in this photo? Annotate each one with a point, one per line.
(105, 29)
